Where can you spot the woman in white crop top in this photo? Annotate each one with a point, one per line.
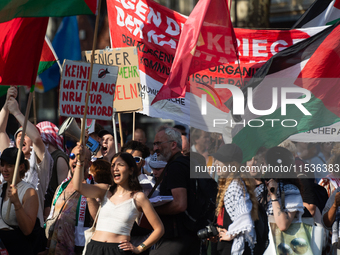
(121, 204)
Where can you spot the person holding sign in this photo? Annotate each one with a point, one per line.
(121, 203)
(15, 229)
(74, 212)
(34, 150)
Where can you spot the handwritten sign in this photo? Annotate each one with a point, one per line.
(127, 96)
(73, 87)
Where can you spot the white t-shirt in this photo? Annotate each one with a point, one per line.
(39, 176)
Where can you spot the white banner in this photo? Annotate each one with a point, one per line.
(319, 135)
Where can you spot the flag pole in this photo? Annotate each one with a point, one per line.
(133, 125)
(120, 130)
(17, 162)
(115, 131)
(34, 109)
(82, 130)
(239, 66)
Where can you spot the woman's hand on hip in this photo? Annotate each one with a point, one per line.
(127, 246)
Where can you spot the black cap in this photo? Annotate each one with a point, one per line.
(9, 155)
(229, 153)
(103, 132)
(277, 156)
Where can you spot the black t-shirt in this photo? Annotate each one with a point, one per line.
(314, 193)
(224, 247)
(177, 175)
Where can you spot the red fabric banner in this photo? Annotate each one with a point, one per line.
(207, 40)
(21, 42)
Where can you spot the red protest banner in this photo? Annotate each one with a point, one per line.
(155, 31)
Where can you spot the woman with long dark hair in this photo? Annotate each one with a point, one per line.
(120, 205)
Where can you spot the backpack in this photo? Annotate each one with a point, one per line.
(201, 199)
(262, 230)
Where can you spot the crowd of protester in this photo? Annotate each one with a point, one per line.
(59, 193)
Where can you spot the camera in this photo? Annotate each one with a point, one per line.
(208, 231)
(267, 178)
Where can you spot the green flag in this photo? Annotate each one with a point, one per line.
(10, 9)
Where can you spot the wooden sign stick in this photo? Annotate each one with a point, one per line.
(17, 162)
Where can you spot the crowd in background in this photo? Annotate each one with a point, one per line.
(61, 192)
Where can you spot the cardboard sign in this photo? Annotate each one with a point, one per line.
(73, 87)
(127, 95)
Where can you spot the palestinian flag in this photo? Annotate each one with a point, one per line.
(48, 56)
(320, 13)
(312, 64)
(38, 86)
(21, 42)
(3, 90)
(47, 59)
(10, 9)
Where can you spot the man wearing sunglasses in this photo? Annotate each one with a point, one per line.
(139, 152)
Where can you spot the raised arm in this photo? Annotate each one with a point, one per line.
(93, 207)
(283, 219)
(62, 169)
(31, 131)
(87, 190)
(4, 113)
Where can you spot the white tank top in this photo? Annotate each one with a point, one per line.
(117, 219)
(22, 187)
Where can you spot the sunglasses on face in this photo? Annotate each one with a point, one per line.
(138, 159)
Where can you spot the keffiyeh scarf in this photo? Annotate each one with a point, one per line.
(293, 199)
(238, 205)
(49, 134)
